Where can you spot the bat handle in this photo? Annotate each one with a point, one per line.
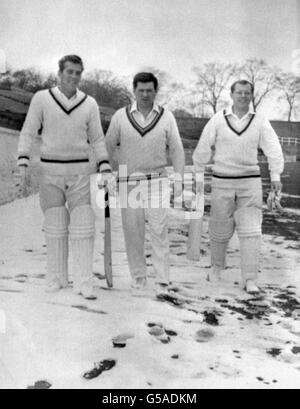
(106, 200)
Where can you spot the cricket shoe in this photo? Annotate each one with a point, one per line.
(54, 286)
(139, 283)
(251, 287)
(87, 290)
(214, 276)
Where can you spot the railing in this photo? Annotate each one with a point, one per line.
(289, 141)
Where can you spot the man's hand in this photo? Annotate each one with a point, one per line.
(25, 181)
(276, 186)
(107, 179)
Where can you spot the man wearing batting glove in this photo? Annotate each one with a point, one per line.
(141, 136)
(70, 122)
(235, 135)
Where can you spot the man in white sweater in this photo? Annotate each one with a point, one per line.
(70, 123)
(232, 138)
(141, 136)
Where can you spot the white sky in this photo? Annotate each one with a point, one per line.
(125, 35)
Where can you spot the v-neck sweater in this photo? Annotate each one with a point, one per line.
(235, 153)
(68, 133)
(145, 150)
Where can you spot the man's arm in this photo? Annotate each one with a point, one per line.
(203, 151)
(32, 124)
(96, 139)
(177, 155)
(112, 137)
(176, 149)
(271, 147)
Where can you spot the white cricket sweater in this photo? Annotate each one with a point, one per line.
(70, 128)
(145, 149)
(235, 151)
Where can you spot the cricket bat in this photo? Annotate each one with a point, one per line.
(195, 229)
(107, 241)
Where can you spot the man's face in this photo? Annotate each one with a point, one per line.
(70, 76)
(145, 94)
(242, 96)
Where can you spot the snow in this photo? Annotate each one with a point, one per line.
(58, 337)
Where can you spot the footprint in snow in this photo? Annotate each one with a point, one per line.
(160, 333)
(99, 367)
(120, 341)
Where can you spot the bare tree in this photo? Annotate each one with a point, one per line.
(211, 81)
(106, 88)
(28, 79)
(289, 86)
(262, 76)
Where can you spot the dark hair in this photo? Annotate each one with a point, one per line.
(71, 58)
(145, 77)
(242, 82)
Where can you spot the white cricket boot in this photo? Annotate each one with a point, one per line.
(251, 287)
(214, 276)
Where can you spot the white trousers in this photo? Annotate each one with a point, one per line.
(141, 201)
(237, 205)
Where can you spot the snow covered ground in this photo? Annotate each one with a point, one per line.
(218, 336)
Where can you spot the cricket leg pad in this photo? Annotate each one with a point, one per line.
(220, 232)
(56, 232)
(248, 221)
(82, 237)
(250, 248)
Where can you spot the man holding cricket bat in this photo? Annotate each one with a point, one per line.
(235, 135)
(70, 122)
(142, 135)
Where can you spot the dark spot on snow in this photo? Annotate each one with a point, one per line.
(210, 318)
(119, 344)
(296, 350)
(171, 333)
(260, 379)
(86, 309)
(170, 299)
(175, 356)
(40, 385)
(274, 352)
(99, 367)
(165, 340)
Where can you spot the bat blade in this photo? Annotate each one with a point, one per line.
(194, 239)
(107, 242)
(195, 230)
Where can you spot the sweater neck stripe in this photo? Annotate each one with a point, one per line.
(68, 112)
(143, 131)
(233, 129)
